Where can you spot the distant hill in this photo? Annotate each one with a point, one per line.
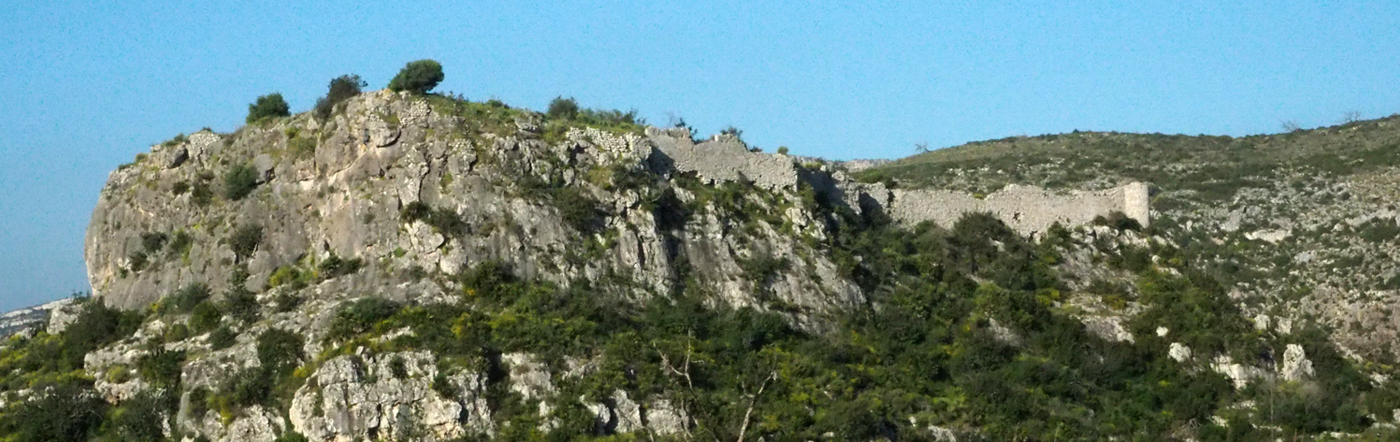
(29, 318)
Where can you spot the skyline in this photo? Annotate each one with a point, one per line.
(90, 86)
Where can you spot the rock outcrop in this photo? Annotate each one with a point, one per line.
(158, 227)
(391, 396)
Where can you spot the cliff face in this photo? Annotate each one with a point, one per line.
(340, 188)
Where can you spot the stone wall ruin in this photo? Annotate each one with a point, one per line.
(1027, 209)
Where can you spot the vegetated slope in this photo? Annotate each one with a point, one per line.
(429, 268)
(1212, 166)
(1300, 225)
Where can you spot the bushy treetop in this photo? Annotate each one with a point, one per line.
(417, 77)
(341, 89)
(268, 106)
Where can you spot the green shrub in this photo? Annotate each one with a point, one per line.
(240, 181)
(205, 317)
(222, 337)
(563, 108)
(286, 302)
(199, 402)
(161, 368)
(444, 387)
(872, 176)
(301, 147)
(202, 193)
(251, 386)
(415, 211)
(334, 267)
(580, 210)
(1379, 230)
(491, 280)
(138, 260)
(245, 240)
(446, 221)
(97, 325)
(182, 242)
(266, 107)
(1118, 221)
(152, 242)
(118, 374)
(177, 332)
(360, 316)
(733, 132)
(291, 436)
(417, 77)
(290, 276)
(279, 351)
(242, 305)
(417, 273)
(1131, 258)
(610, 117)
(179, 139)
(763, 268)
(66, 412)
(342, 88)
(398, 367)
(186, 298)
(180, 187)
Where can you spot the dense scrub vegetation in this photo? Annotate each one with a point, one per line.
(964, 331)
(64, 406)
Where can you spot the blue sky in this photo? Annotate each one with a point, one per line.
(85, 86)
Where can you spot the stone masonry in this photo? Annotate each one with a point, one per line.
(1026, 209)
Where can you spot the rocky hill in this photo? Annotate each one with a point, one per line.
(1299, 226)
(29, 320)
(420, 267)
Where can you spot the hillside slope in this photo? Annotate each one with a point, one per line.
(428, 268)
(1299, 225)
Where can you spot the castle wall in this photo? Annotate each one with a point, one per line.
(1026, 209)
(723, 159)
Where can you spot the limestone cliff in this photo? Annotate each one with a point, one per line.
(339, 188)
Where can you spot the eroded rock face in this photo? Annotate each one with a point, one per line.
(391, 396)
(388, 151)
(162, 222)
(1295, 366)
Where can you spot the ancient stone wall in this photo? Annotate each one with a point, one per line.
(1026, 209)
(721, 159)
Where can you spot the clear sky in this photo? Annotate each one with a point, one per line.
(85, 86)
